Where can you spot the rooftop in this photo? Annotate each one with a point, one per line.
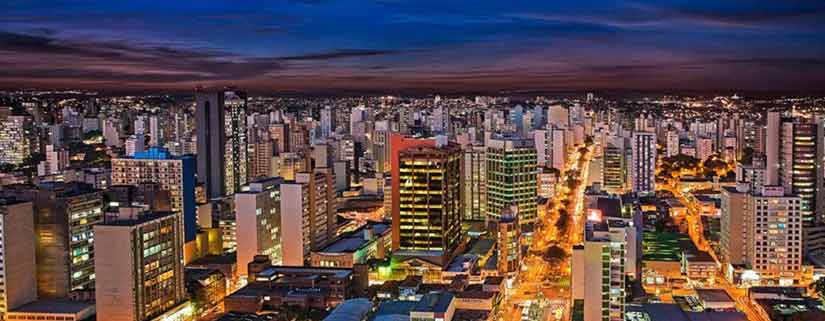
(434, 302)
(350, 310)
(662, 246)
(714, 295)
(354, 240)
(140, 219)
(55, 306)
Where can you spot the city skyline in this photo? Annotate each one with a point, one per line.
(415, 47)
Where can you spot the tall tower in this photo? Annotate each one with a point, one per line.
(258, 217)
(222, 150)
(140, 263)
(511, 177)
(474, 183)
(644, 162)
(427, 218)
(18, 285)
(509, 241)
(174, 174)
(801, 155)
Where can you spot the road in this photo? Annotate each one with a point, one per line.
(696, 232)
(538, 278)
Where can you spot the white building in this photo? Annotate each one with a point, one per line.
(18, 284)
(643, 163)
(258, 222)
(775, 234)
(599, 270)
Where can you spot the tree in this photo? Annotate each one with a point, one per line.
(819, 288)
(555, 254)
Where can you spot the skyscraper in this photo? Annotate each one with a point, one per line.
(643, 163)
(508, 239)
(14, 141)
(774, 235)
(427, 218)
(511, 177)
(174, 174)
(474, 184)
(140, 266)
(222, 150)
(599, 270)
(64, 216)
(801, 154)
(613, 174)
(18, 285)
(258, 219)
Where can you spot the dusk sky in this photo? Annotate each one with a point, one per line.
(420, 45)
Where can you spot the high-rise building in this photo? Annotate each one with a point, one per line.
(14, 138)
(704, 147)
(547, 179)
(672, 143)
(18, 285)
(174, 174)
(258, 222)
(613, 169)
(772, 148)
(508, 239)
(474, 184)
(801, 154)
(139, 266)
(222, 150)
(327, 122)
(322, 205)
(511, 177)
(598, 275)
(775, 241)
(280, 137)
(65, 214)
(296, 238)
(427, 217)
(260, 156)
(733, 227)
(643, 163)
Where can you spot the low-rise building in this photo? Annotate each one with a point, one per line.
(370, 241)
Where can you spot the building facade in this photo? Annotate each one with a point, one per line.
(511, 177)
(140, 262)
(258, 222)
(221, 133)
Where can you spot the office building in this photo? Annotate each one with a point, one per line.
(65, 214)
(508, 241)
(322, 205)
(174, 174)
(18, 285)
(801, 155)
(474, 184)
(296, 238)
(775, 242)
(258, 222)
(222, 141)
(599, 270)
(511, 177)
(139, 266)
(14, 137)
(370, 241)
(613, 169)
(733, 227)
(427, 218)
(260, 156)
(643, 162)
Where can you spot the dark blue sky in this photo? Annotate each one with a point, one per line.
(421, 45)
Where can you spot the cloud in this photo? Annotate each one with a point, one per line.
(339, 54)
(35, 56)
